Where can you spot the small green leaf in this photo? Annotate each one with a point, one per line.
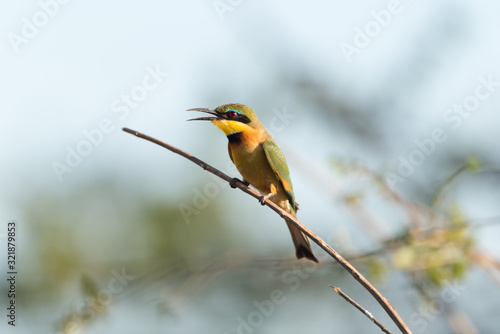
(88, 285)
(377, 269)
(404, 258)
(473, 163)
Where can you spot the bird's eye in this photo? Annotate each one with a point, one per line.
(232, 113)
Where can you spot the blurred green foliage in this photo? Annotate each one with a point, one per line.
(102, 226)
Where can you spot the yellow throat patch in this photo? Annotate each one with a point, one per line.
(230, 127)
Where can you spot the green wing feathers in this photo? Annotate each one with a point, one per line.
(278, 164)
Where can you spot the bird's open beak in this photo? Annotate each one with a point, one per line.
(208, 111)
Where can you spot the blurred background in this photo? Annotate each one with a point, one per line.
(387, 112)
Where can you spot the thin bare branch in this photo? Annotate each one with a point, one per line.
(361, 308)
(391, 311)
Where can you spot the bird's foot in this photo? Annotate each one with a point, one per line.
(235, 180)
(262, 199)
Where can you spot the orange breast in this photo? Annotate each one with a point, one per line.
(250, 160)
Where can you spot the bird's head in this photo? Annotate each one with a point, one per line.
(230, 118)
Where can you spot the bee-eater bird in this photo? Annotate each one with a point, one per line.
(260, 161)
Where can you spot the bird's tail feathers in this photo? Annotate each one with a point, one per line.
(301, 242)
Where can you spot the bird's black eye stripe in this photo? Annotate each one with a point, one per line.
(242, 119)
(235, 116)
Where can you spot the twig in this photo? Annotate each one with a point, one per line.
(289, 218)
(359, 307)
(439, 192)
